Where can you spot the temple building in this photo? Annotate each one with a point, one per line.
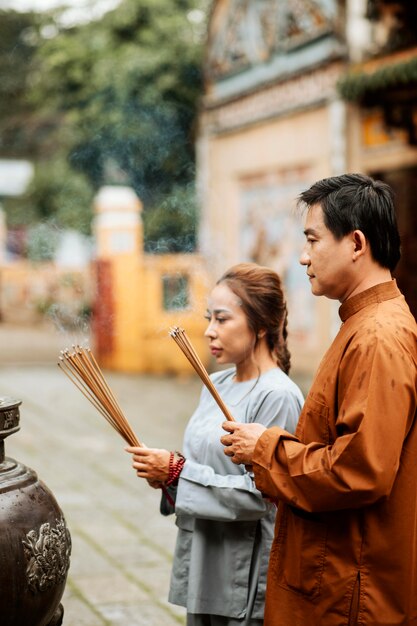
(380, 88)
(296, 91)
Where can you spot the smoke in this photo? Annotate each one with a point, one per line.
(172, 225)
(69, 322)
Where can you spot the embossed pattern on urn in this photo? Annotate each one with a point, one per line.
(35, 543)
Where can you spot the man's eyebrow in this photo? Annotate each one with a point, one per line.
(310, 231)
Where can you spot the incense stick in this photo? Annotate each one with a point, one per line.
(180, 337)
(83, 370)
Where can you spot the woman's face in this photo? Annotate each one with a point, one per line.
(230, 338)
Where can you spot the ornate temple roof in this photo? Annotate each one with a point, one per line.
(259, 42)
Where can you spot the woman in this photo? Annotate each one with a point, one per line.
(225, 525)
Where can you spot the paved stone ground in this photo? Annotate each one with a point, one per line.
(122, 546)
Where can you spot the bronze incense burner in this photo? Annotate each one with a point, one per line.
(35, 544)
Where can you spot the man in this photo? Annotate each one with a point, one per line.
(345, 546)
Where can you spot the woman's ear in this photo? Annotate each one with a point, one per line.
(261, 334)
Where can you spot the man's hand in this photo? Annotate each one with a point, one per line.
(240, 443)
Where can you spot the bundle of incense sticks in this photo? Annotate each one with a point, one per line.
(180, 337)
(83, 370)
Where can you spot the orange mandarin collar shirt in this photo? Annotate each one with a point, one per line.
(345, 547)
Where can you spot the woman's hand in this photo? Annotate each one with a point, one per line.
(150, 463)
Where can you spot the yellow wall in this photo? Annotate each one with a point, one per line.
(162, 354)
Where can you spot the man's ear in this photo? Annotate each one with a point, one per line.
(360, 244)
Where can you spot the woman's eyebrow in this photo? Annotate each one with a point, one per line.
(216, 311)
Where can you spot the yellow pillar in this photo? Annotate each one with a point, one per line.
(119, 238)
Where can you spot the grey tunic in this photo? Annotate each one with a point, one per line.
(225, 525)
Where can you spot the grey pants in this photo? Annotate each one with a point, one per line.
(201, 619)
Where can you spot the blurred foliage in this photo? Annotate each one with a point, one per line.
(116, 102)
(42, 241)
(358, 85)
(170, 227)
(57, 194)
(61, 195)
(19, 41)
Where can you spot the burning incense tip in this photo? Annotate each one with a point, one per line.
(83, 370)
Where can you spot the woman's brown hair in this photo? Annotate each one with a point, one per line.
(260, 292)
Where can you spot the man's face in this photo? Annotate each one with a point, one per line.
(328, 260)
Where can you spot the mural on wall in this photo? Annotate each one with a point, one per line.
(271, 233)
(247, 32)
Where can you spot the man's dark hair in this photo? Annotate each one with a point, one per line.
(358, 202)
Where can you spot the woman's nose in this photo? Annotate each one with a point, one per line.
(210, 332)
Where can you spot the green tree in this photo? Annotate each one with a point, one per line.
(19, 41)
(127, 88)
(58, 195)
(121, 97)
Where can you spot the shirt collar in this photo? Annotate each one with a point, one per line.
(378, 293)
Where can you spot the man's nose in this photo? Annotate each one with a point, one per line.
(304, 258)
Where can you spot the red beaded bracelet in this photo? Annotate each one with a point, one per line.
(174, 469)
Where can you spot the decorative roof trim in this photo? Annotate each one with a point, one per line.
(302, 92)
